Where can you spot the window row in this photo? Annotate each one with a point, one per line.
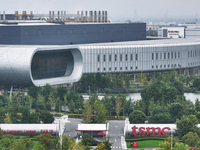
(165, 55)
(120, 68)
(166, 66)
(120, 58)
(193, 53)
(193, 63)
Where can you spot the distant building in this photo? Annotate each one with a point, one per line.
(171, 32)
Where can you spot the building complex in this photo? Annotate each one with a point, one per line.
(58, 53)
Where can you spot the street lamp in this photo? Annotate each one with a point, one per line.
(171, 139)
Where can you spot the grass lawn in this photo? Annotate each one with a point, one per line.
(146, 143)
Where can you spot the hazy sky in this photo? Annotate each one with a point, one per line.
(117, 9)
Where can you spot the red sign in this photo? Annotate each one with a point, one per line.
(135, 144)
(173, 31)
(146, 131)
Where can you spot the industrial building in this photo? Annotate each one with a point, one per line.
(59, 53)
(189, 31)
(38, 65)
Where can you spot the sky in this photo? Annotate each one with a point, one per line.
(134, 10)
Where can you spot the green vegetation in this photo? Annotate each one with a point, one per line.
(162, 102)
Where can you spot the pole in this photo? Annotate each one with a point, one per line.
(11, 89)
(171, 139)
(89, 90)
(60, 132)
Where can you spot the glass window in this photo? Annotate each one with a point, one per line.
(115, 57)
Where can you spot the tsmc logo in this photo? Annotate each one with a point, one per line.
(152, 130)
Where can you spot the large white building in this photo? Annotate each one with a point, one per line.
(38, 65)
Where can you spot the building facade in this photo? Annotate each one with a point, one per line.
(38, 65)
(141, 56)
(71, 33)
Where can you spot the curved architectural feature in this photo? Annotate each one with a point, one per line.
(141, 56)
(32, 65)
(37, 65)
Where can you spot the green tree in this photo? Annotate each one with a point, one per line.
(40, 147)
(25, 115)
(87, 112)
(87, 139)
(186, 124)
(158, 110)
(65, 143)
(61, 92)
(19, 144)
(152, 105)
(72, 107)
(174, 140)
(137, 117)
(45, 140)
(191, 139)
(161, 118)
(8, 118)
(5, 143)
(119, 101)
(176, 111)
(52, 100)
(28, 142)
(196, 82)
(75, 101)
(128, 107)
(101, 114)
(127, 81)
(34, 117)
(159, 91)
(2, 114)
(165, 145)
(46, 90)
(141, 78)
(107, 144)
(100, 146)
(33, 91)
(197, 105)
(139, 105)
(198, 116)
(181, 146)
(80, 146)
(46, 116)
(109, 103)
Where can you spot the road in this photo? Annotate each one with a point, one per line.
(71, 127)
(116, 134)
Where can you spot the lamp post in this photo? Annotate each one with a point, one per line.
(171, 138)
